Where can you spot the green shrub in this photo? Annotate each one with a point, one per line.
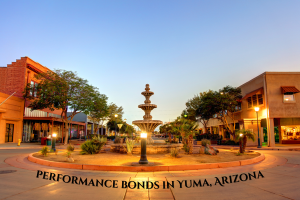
(70, 147)
(186, 148)
(117, 140)
(174, 152)
(103, 139)
(91, 146)
(110, 137)
(231, 142)
(129, 145)
(204, 142)
(44, 151)
(69, 154)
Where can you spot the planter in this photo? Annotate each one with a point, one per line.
(151, 149)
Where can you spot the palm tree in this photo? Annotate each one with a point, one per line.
(242, 136)
(187, 129)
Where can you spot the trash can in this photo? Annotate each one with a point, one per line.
(48, 141)
(43, 140)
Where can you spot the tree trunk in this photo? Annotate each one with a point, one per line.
(244, 143)
(66, 132)
(170, 137)
(190, 143)
(241, 146)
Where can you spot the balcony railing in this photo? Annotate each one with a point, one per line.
(38, 113)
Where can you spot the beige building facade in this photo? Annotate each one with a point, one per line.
(11, 118)
(277, 96)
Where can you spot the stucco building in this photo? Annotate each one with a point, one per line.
(277, 96)
(11, 118)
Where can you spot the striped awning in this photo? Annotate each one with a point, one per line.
(289, 89)
(258, 91)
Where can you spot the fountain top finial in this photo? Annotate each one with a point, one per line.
(147, 88)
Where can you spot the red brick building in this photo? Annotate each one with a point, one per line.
(38, 123)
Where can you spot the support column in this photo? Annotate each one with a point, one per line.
(280, 134)
(220, 130)
(70, 130)
(86, 124)
(63, 133)
(52, 128)
(261, 135)
(271, 135)
(78, 134)
(279, 130)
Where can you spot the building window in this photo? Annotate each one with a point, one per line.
(255, 100)
(249, 102)
(260, 99)
(33, 89)
(239, 106)
(288, 97)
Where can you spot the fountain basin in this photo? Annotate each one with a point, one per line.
(151, 148)
(147, 126)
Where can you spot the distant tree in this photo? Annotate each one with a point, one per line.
(191, 108)
(226, 102)
(126, 128)
(62, 90)
(200, 108)
(99, 112)
(114, 110)
(206, 108)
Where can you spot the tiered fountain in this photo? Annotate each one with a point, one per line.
(147, 125)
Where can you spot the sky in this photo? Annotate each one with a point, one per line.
(180, 48)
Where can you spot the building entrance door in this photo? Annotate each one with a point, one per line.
(9, 134)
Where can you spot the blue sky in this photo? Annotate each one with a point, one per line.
(180, 48)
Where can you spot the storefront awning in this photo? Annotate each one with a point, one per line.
(50, 119)
(289, 89)
(258, 91)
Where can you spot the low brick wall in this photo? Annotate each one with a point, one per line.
(146, 168)
(151, 149)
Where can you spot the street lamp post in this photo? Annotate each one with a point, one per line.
(143, 159)
(125, 125)
(256, 110)
(53, 141)
(116, 125)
